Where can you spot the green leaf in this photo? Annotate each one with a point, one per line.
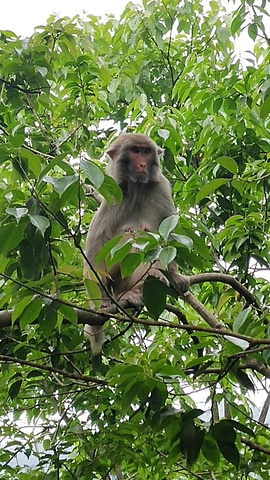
(93, 173)
(34, 160)
(14, 389)
(237, 21)
(119, 252)
(242, 428)
(183, 240)
(230, 453)
(17, 212)
(94, 292)
(167, 255)
(228, 163)
(48, 318)
(19, 307)
(30, 312)
(158, 397)
(130, 263)
(191, 440)
(40, 222)
(68, 313)
(210, 449)
(210, 187)
(11, 236)
(167, 226)
(61, 184)
(244, 379)
(107, 247)
(154, 295)
(265, 108)
(223, 431)
(191, 414)
(110, 190)
(164, 133)
(253, 31)
(17, 140)
(240, 320)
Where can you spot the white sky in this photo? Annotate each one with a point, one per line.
(21, 16)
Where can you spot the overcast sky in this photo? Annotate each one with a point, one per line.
(21, 16)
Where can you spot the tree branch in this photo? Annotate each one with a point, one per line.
(84, 378)
(255, 446)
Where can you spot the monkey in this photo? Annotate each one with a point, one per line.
(134, 162)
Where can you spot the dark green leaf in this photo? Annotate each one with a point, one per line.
(14, 389)
(154, 296)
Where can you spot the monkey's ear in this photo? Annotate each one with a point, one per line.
(111, 152)
(160, 151)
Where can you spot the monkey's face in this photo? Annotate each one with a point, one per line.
(140, 161)
(135, 159)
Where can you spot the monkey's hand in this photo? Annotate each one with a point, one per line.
(134, 299)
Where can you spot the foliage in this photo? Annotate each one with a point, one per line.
(166, 401)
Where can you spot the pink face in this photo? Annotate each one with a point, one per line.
(140, 157)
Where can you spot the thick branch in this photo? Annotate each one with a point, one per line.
(90, 317)
(201, 310)
(224, 278)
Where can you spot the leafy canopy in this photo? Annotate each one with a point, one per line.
(171, 398)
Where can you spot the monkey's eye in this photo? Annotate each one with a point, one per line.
(143, 150)
(135, 149)
(146, 150)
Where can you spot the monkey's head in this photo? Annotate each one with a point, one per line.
(134, 158)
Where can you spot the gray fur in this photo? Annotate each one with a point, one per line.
(145, 204)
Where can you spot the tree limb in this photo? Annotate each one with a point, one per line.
(84, 378)
(255, 446)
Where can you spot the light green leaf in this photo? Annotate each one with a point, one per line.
(143, 102)
(30, 312)
(61, 184)
(68, 313)
(167, 226)
(40, 222)
(17, 140)
(210, 187)
(17, 212)
(183, 240)
(93, 172)
(94, 292)
(228, 163)
(164, 133)
(167, 255)
(240, 319)
(265, 108)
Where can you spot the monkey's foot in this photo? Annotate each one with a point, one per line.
(182, 282)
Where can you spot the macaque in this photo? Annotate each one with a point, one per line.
(147, 201)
